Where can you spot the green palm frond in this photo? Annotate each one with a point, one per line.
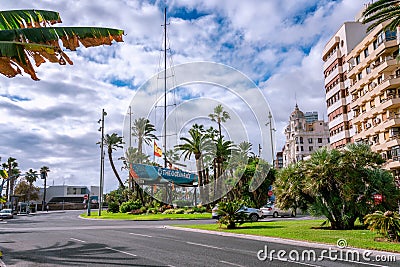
(381, 11)
(25, 35)
(15, 19)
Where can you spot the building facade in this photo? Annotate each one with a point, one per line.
(302, 137)
(337, 84)
(362, 85)
(67, 193)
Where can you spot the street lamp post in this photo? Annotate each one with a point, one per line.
(101, 160)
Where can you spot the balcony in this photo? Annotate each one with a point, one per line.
(393, 140)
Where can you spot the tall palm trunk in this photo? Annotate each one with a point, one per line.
(200, 174)
(113, 167)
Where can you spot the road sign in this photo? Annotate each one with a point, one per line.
(85, 197)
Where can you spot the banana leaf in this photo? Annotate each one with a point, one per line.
(25, 35)
(15, 19)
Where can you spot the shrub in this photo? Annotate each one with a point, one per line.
(113, 207)
(130, 205)
(189, 211)
(229, 215)
(169, 211)
(152, 210)
(179, 211)
(386, 224)
(199, 209)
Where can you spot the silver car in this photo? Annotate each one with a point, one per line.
(252, 213)
(272, 210)
(6, 214)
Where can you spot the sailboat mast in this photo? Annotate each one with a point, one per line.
(165, 87)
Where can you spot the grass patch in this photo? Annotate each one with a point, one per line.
(146, 217)
(307, 230)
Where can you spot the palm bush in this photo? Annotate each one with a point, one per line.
(385, 223)
(228, 215)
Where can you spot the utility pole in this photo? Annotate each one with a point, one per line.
(130, 126)
(165, 87)
(103, 113)
(270, 132)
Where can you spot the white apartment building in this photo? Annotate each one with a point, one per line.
(337, 84)
(362, 84)
(302, 137)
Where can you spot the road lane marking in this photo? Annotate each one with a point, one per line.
(78, 240)
(140, 235)
(203, 245)
(120, 251)
(230, 263)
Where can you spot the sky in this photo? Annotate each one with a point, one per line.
(276, 45)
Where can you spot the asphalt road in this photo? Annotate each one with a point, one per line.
(63, 239)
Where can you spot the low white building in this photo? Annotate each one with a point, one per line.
(303, 137)
(68, 193)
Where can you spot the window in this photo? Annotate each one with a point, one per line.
(301, 140)
(366, 54)
(375, 44)
(368, 69)
(319, 140)
(310, 140)
(390, 35)
(301, 148)
(310, 148)
(358, 59)
(359, 76)
(297, 148)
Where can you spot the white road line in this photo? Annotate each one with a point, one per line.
(78, 240)
(230, 263)
(120, 251)
(140, 235)
(203, 245)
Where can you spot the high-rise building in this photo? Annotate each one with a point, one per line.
(362, 84)
(337, 84)
(303, 138)
(311, 116)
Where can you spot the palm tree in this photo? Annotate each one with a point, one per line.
(12, 169)
(132, 156)
(381, 11)
(385, 223)
(112, 142)
(27, 35)
(30, 177)
(219, 116)
(143, 130)
(43, 171)
(198, 144)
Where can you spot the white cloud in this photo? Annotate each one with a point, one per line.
(53, 122)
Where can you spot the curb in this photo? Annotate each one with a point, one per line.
(282, 241)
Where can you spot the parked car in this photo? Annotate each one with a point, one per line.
(252, 213)
(6, 214)
(272, 210)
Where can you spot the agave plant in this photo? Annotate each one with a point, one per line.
(27, 35)
(385, 223)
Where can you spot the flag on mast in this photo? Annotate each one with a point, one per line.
(157, 150)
